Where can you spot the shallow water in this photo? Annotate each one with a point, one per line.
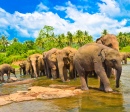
(90, 101)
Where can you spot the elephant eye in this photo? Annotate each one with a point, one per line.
(113, 60)
(110, 45)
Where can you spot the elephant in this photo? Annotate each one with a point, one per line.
(36, 65)
(24, 67)
(109, 40)
(124, 56)
(97, 57)
(6, 69)
(71, 52)
(50, 67)
(57, 61)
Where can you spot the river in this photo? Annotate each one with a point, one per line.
(90, 101)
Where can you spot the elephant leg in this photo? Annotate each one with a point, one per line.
(20, 71)
(2, 77)
(86, 77)
(31, 73)
(100, 71)
(108, 71)
(125, 61)
(71, 69)
(8, 75)
(95, 75)
(65, 74)
(53, 71)
(83, 82)
(24, 71)
(101, 86)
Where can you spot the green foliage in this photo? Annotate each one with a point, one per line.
(46, 40)
(3, 43)
(124, 39)
(31, 52)
(16, 48)
(29, 44)
(2, 57)
(12, 58)
(125, 49)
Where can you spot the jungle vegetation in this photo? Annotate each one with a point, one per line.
(13, 50)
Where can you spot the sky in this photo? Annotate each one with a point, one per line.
(23, 19)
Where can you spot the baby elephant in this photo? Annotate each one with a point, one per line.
(6, 69)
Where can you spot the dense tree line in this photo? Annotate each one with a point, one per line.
(47, 39)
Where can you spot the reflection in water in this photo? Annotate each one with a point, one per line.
(126, 86)
(91, 101)
(31, 106)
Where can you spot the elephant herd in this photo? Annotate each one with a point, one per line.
(100, 57)
(54, 63)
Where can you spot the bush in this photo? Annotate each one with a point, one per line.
(125, 49)
(16, 49)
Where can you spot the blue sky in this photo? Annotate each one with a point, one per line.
(23, 19)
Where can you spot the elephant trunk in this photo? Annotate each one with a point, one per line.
(34, 69)
(62, 71)
(118, 74)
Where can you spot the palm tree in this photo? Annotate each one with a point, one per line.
(14, 40)
(29, 44)
(79, 37)
(4, 42)
(69, 38)
(104, 32)
(39, 42)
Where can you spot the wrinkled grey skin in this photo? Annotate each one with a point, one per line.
(57, 60)
(50, 64)
(24, 68)
(41, 65)
(70, 53)
(36, 65)
(62, 62)
(6, 69)
(97, 57)
(109, 40)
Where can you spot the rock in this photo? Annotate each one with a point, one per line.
(59, 86)
(38, 92)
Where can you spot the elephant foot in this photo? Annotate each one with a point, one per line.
(108, 90)
(105, 89)
(67, 80)
(84, 88)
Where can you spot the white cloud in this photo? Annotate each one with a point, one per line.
(29, 24)
(60, 8)
(42, 7)
(109, 7)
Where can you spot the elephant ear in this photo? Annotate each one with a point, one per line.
(102, 54)
(29, 60)
(52, 57)
(37, 57)
(99, 41)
